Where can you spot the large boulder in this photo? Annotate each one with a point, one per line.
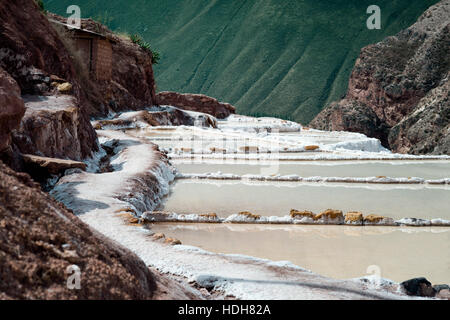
(52, 127)
(195, 102)
(398, 90)
(418, 287)
(12, 108)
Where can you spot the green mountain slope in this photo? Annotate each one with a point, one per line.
(287, 58)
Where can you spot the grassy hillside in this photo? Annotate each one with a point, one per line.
(287, 58)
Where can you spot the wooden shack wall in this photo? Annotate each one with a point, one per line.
(102, 59)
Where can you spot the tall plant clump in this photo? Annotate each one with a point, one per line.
(137, 39)
(41, 5)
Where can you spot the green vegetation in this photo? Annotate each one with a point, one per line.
(137, 39)
(41, 5)
(270, 57)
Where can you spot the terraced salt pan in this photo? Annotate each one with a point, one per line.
(425, 170)
(200, 145)
(98, 199)
(319, 137)
(340, 252)
(245, 277)
(205, 139)
(232, 138)
(277, 199)
(239, 275)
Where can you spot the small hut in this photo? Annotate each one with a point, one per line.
(94, 48)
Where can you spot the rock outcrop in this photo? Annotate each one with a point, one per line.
(44, 168)
(418, 287)
(351, 116)
(159, 116)
(398, 91)
(53, 165)
(42, 58)
(40, 240)
(31, 49)
(427, 128)
(33, 54)
(52, 127)
(12, 108)
(195, 102)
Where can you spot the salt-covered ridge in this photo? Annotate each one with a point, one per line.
(140, 177)
(328, 217)
(297, 178)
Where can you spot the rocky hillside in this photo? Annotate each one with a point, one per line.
(266, 57)
(40, 240)
(31, 54)
(43, 79)
(399, 89)
(45, 106)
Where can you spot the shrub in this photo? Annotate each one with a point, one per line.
(41, 5)
(137, 39)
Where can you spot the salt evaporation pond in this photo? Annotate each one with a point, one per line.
(277, 199)
(340, 252)
(425, 169)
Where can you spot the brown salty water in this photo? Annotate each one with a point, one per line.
(425, 169)
(277, 199)
(336, 251)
